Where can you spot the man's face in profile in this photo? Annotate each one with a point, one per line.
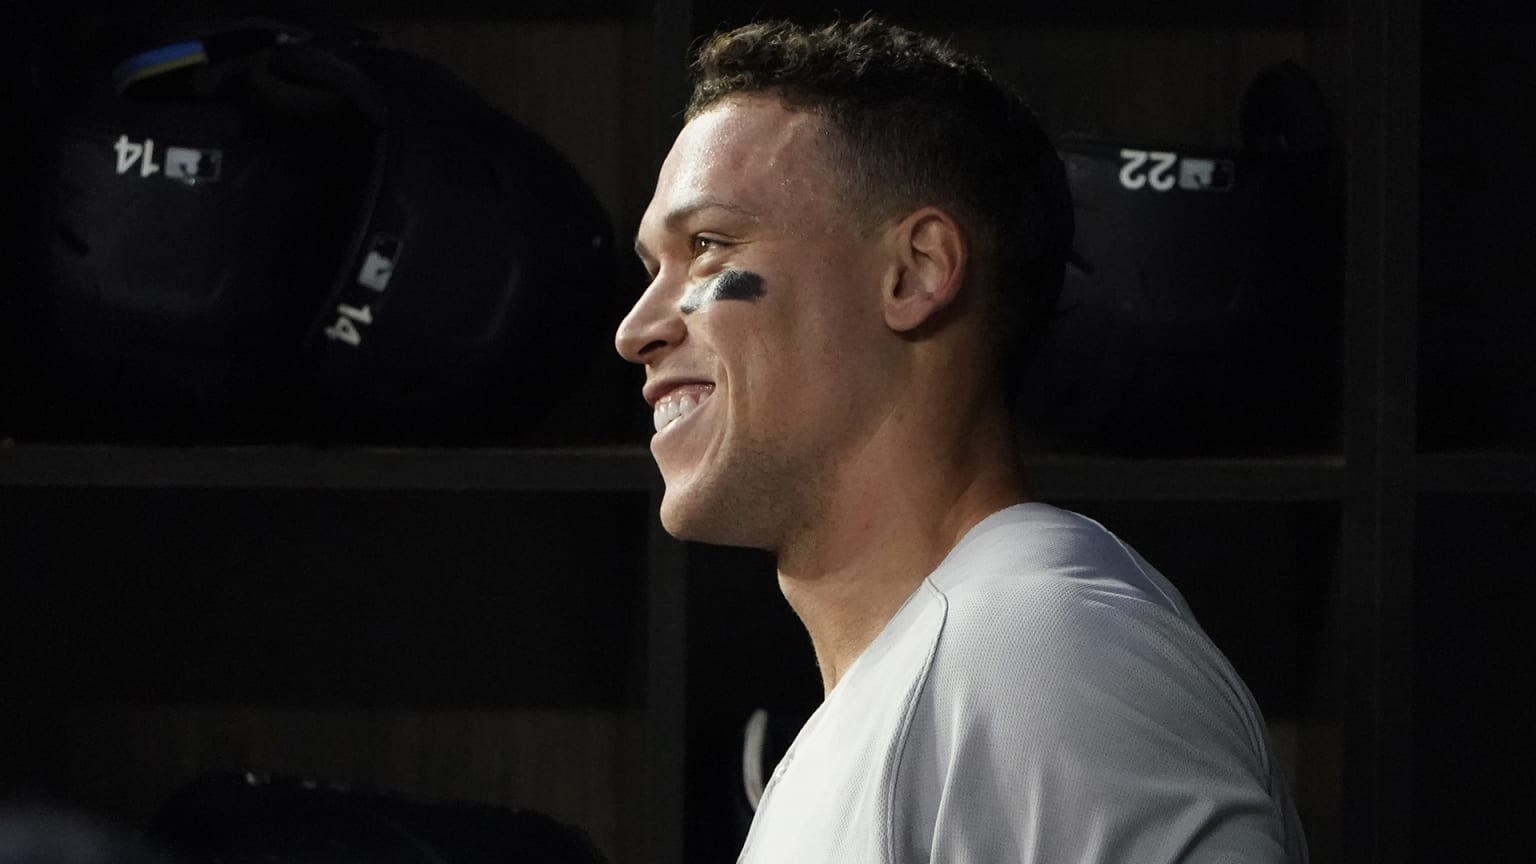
(761, 330)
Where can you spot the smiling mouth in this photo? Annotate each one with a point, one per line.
(680, 403)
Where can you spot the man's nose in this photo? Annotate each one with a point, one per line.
(652, 327)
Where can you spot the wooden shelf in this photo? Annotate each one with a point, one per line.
(1310, 478)
(445, 9)
(587, 469)
(1191, 12)
(616, 468)
(1489, 472)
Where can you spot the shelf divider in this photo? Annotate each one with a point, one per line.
(1302, 478)
(613, 468)
(579, 469)
(1483, 472)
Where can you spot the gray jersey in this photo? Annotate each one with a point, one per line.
(1044, 696)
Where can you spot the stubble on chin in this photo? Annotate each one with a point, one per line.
(753, 501)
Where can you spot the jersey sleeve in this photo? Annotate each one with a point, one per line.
(1062, 722)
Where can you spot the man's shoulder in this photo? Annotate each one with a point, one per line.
(1033, 562)
(1069, 678)
(1046, 601)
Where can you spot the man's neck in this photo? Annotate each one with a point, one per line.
(892, 521)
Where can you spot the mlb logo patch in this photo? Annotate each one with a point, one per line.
(379, 265)
(1206, 175)
(190, 165)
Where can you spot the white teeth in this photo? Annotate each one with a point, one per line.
(673, 408)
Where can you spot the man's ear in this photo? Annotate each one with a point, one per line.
(932, 254)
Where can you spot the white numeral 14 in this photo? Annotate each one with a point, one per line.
(345, 330)
(129, 152)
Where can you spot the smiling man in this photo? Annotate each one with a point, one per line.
(853, 245)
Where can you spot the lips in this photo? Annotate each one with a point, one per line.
(678, 402)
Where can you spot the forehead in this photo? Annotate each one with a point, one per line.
(749, 153)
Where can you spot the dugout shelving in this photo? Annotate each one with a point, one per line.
(107, 548)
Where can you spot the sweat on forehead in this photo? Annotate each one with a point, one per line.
(726, 285)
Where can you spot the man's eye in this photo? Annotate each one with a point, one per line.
(700, 244)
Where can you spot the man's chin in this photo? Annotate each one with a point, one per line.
(694, 520)
(683, 522)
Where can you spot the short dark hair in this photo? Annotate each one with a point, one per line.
(919, 123)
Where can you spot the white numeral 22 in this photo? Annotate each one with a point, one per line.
(1160, 177)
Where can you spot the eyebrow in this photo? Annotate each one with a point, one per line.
(681, 214)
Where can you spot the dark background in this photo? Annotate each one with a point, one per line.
(510, 626)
